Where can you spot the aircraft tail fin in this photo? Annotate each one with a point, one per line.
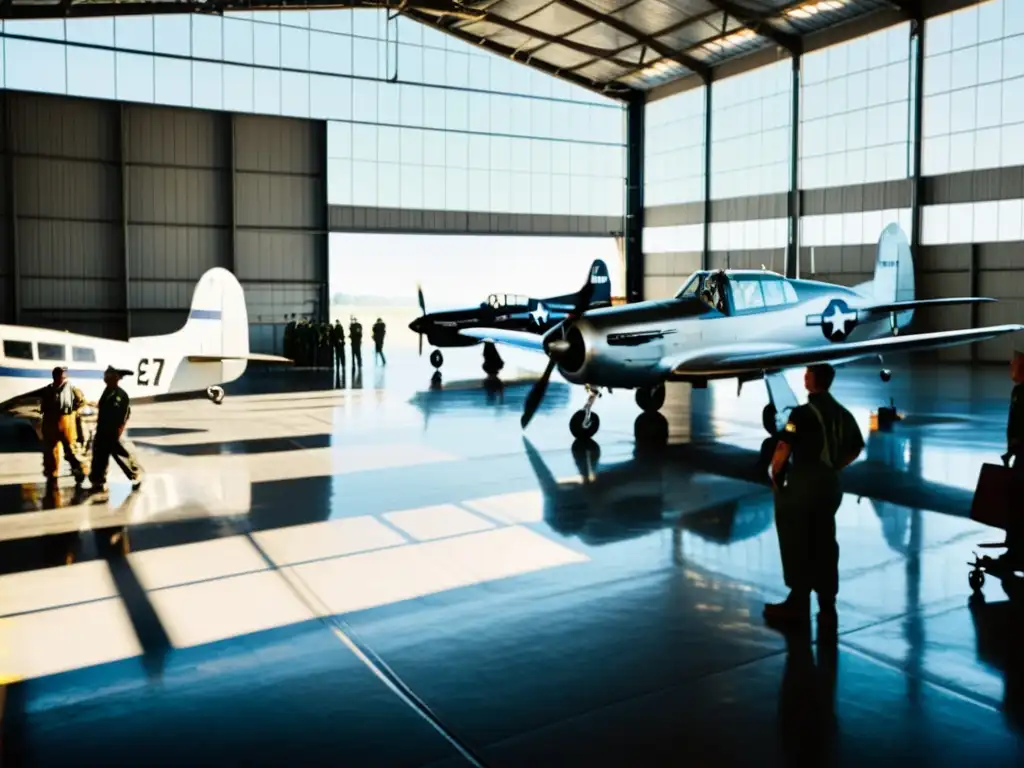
(218, 323)
(894, 272)
(601, 281)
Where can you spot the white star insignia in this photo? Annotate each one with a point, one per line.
(540, 314)
(837, 320)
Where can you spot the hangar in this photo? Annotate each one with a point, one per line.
(291, 546)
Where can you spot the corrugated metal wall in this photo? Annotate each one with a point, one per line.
(201, 189)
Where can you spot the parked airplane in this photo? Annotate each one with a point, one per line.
(740, 324)
(506, 311)
(210, 350)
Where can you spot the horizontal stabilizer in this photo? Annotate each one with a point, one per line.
(520, 339)
(251, 358)
(793, 357)
(900, 306)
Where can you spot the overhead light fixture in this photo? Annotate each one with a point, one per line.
(807, 10)
(730, 41)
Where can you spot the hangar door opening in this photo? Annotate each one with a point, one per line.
(375, 275)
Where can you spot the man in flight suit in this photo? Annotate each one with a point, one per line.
(60, 405)
(355, 337)
(114, 412)
(822, 438)
(338, 343)
(1015, 421)
(378, 332)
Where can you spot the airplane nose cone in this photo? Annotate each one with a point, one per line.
(414, 326)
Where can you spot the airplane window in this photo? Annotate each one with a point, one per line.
(18, 350)
(54, 352)
(790, 292)
(747, 294)
(692, 288)
(83, 355)
(774, 295)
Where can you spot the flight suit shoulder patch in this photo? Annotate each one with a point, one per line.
(790, 426)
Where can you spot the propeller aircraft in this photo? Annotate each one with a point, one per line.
(505, 311)
(735, 324)
(210, 350)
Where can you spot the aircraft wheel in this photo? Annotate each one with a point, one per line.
(578, 430)
(436, 358)
(216, 395)
(976, 579)
(650, 399)
(885, 374)
(650, 429)
(768, 415)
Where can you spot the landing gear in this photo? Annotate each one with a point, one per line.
(885, 374)
(216, 395)
(436, 358)
(584, 423)
(650, 399)
(492, 360)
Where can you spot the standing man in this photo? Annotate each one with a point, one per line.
(378, 332)
(60, 403)
(114, 412)
(821, 438)
(355, 337)
(338, 343)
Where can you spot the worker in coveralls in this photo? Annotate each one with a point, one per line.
(821, 438)
(114, 412)
(60, 405)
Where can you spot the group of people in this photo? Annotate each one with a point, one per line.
(62, 404)
(305, 341)
(819, 440)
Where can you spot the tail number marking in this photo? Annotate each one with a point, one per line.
(146, 369)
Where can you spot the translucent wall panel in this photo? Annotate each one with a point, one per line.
(861, 228)
(685, 238)
(429, 120)
(988, 222)
(855, 111)
(674, 149)
(750, 138)
(749, 235)
(974, 88)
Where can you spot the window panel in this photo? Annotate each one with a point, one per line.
(91, 73)
(238, 89)
(935, 156)
(1013, 101)
(410, 98)
(294, 47)
(411, 188)
(133, 32)
(46, 29)
(335, 20)
(238, 40)
(172, 34)
(1013, 63)
(90, 31)
(207, 85)
(266, 46)
(339, 181)
(456, 189)
(364, 183)
(366, 22)
(961, 152)
(989, 103)
(295, 94)
(330, 98)
(965, 28)
(389, 190)
(938, 35)
(936, 117)
(965, 68)
(1012, 144)
(134, 77)
(35, 66)
(987, 151)
(206, 36)
(173, 82)
(267, 91)
(1011, 226)
(364, 101)
(938, 77)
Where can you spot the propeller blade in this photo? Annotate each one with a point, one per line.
(419, 296)
(421, 345)
(533, 399)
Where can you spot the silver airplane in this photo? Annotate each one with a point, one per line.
(736, 324)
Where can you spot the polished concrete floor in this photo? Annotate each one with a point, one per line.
(390, 574)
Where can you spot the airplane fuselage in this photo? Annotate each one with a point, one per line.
(629, 346)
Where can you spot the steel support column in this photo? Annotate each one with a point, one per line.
(793, 249)
(917, 108)
(122, 158)
(232, 191)
(11, 214)
(324, 228)
(633, 234)
(975, 280)
(705, 259)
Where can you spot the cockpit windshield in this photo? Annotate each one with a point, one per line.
(498, 300)
(692, 286)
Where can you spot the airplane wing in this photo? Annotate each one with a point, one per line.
(520, 339)
(734, 361)
(251, 357)
(903, 306)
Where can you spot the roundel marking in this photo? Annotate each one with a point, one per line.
(838, 320)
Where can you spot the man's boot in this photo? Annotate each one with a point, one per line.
(796, 607)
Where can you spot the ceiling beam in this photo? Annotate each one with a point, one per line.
(759, 24)
(694, 65)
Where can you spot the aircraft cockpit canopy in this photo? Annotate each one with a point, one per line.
(739, 292)
(498, 300)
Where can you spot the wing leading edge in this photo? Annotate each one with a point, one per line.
(732, 363)
(521, 339)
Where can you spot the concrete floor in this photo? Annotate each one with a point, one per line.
(391, 575)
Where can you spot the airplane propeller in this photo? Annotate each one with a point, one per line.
(555, 349)
(423, 311)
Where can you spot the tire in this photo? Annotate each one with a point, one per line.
(650, 399)
(577, 428)
(436, 358)
(976, 579)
